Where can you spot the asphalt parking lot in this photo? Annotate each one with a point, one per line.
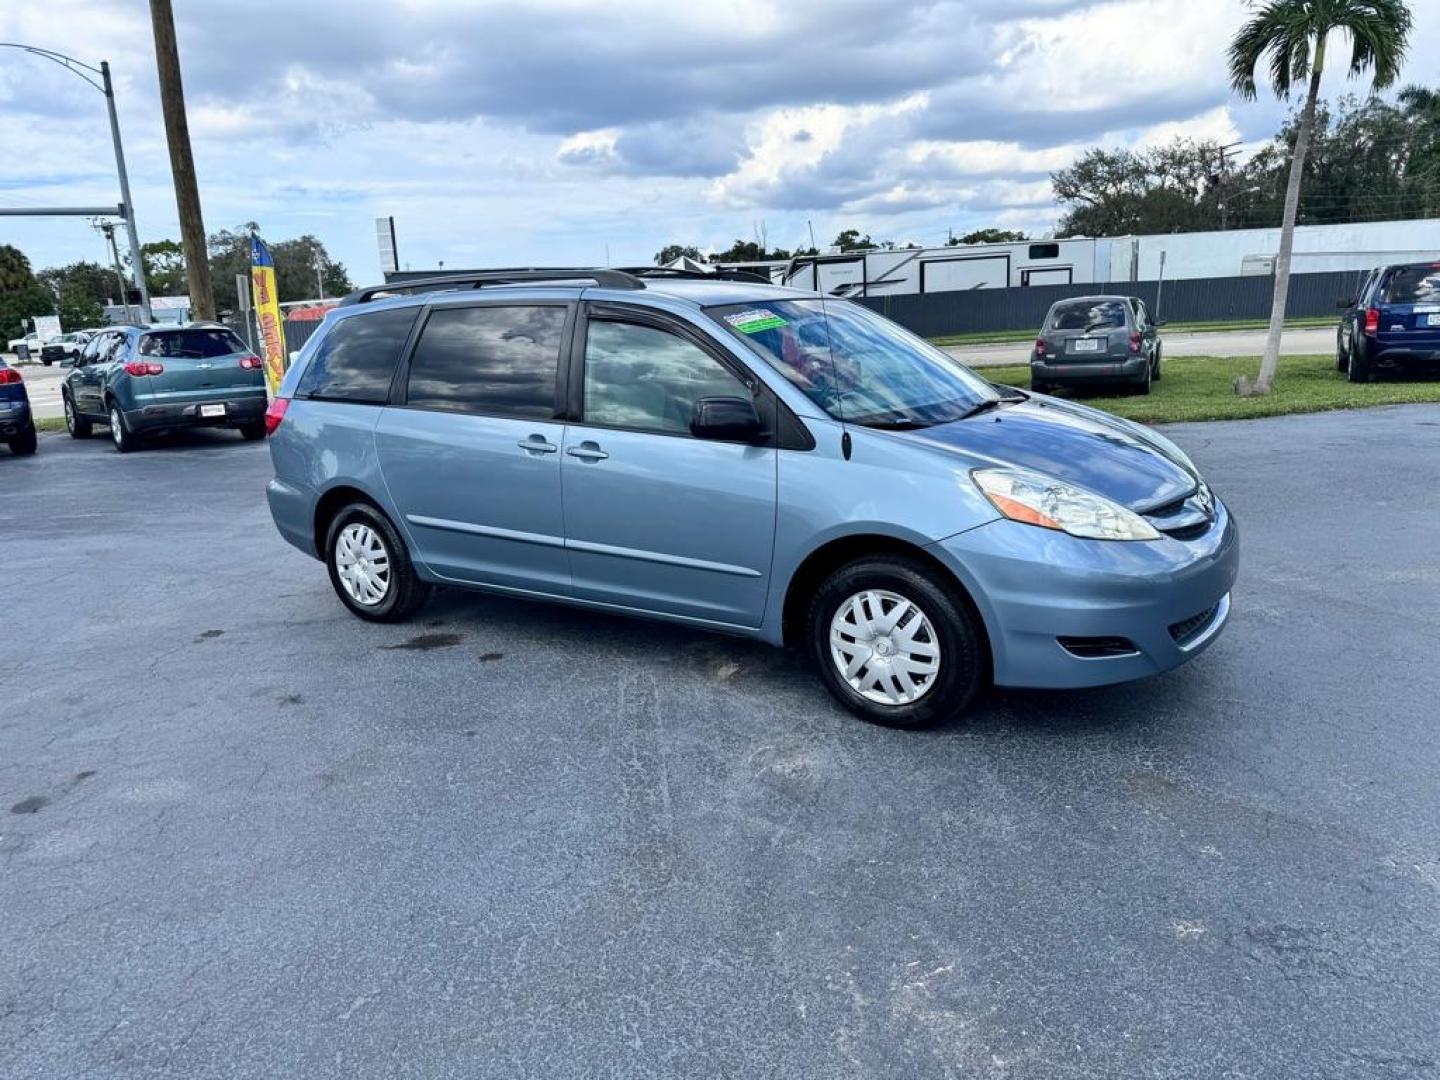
(244, 834)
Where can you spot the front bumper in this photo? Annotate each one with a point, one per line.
(239, 411)
(1058, 369)
(14, 418)
(1036, 586)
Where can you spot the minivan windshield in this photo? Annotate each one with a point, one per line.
(193, 343)
(1088, 315)
(857, 366)
(1412, 285)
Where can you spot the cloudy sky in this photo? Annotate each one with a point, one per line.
(548, 132)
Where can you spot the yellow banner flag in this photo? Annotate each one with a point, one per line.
(267, 313)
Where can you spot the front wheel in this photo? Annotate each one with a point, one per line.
(370, 568)
(895, 644)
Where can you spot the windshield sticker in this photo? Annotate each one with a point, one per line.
(754, 320)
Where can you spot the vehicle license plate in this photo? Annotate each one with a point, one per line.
(1087, 344)
(1430, 320)
(212, 410)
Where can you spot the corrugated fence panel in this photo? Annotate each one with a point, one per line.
(1186, 300)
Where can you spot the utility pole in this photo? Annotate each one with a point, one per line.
(1220, 185)
(182, 162)
(107, 229)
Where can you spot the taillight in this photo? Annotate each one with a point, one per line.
(250, 363)
(1372, 321)
(1134, 342)
(1039, 346)
(9, 375)
(142, 367)
(275, 413)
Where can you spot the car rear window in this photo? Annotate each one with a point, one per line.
(1412, 285)
(500, 361)
(1089, 315)
(356, 360)
(192, 344)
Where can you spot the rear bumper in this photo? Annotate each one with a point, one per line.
(1401, 354)
(1035, 586)
(1060, 369)
(15, 418)
(247, 409)
(294, 512)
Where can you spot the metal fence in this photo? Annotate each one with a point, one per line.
(1185, 300)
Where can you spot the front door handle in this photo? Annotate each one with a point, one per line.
(536, 444)
(588, 451)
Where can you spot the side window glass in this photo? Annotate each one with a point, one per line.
(648, 379)
(497, 361)
(356, 360)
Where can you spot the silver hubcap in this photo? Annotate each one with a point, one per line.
(69, 415)
(115, 431)
(363, 564)
(884, 646)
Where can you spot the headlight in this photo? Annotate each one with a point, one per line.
(1035, 499)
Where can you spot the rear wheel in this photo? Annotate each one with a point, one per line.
(24, 443)
(120, 435)
(253, 432)
(1142, 386)
(1358, 368)
(1157, 363)
(77, 425)
(1342, 361)
(894, 643)
(369, 566)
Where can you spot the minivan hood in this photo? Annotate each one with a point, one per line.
(1070, 442)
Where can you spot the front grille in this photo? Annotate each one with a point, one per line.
(1184, 519)
(1095, 648)
(1186, 630)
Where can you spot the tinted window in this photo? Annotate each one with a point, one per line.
(1089, 315)
(496, 360)
(356, 359)
(640, 377)
(191, 344)
(1412, 285)
(1044, 251)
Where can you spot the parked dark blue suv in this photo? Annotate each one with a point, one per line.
(1393, 323)
(17, 426)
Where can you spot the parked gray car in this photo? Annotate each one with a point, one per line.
(1093, 339)
(749, 459)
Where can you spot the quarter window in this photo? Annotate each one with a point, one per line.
(648, 379)
(501, 361)
(356, 360)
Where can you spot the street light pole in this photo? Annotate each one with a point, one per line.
(137, 265)
(127, 207)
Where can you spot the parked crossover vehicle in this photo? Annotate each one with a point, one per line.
(17, 424)
(140, 380)
(750, 459)
(1092, 339)
(1393, 323)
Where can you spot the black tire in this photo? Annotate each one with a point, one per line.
(1142, 386)
(25, 443)
(78, 426)
(253, 432)
(1358, 369)
(47, 363)
(1342, 361)
(123, 439)
(963, 668)
(404, 593)
(1157, 363)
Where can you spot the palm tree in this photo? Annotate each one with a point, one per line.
(1293, 33)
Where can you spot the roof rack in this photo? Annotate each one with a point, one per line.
(720, 273)
(610, 279)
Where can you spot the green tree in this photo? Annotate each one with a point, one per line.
(78, 310)
(987, 236)
(86, 278)
(18, 305)
(164, 263)
(748, 251)
(295, 267)
(851, 240)
(670, 252)
(1293, 34)
(15, 273)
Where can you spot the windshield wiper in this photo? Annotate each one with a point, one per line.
(986, 406)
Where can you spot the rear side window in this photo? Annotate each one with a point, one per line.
(500, 361)
(193, 344)
(1089, 315)
(1412, 285)
(356, 359)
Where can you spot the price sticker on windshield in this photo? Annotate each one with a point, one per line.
(755, 320)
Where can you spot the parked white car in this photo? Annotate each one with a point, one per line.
(32, 343)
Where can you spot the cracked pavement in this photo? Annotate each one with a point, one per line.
(243, 834)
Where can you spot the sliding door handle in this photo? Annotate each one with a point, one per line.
(588, 451)
(536, 444)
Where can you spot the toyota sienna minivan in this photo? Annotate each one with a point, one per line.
(750, 459)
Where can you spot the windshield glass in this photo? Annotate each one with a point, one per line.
(192, 344)
(1412, 285)
(1088, 315)
(855, 365)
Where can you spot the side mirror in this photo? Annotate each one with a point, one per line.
(1345, 302)
(731, 419)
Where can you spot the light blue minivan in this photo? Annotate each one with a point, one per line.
(728, 454)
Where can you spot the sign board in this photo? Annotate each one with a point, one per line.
(47, 327)
(385, 237)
